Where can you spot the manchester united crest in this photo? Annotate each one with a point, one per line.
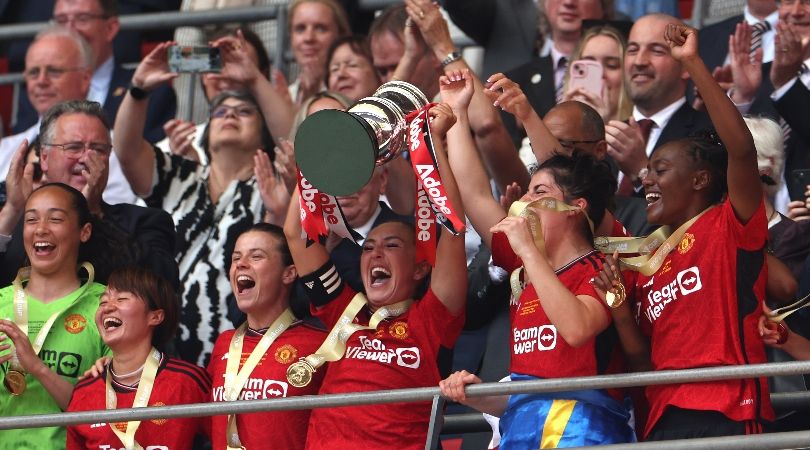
(159, 421)
(399, 330)
(686, 243)
(120, 426)
(75, 323)
(286, 354)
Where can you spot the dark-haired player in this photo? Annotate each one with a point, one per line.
(401, 351)
(700, 307)
(262, 275)
(137, 315)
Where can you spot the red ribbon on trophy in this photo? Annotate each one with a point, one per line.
(432, 204)
(320, 213)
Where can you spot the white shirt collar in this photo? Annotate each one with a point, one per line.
(772, 18)
(100, 83)
(364, 229)
(661, 118)
(767, 37)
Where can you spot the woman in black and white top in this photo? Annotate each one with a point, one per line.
(211, 205)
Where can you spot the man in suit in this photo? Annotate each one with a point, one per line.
(657, 85)
(790, 76)
(542, 77)
(97, 22)
(57, 68)
(76, 151)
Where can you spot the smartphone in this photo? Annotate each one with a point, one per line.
(586, 74)
(799, 180)
(194, 58)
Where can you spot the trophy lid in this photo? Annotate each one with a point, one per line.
(336, 151)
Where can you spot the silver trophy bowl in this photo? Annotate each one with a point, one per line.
(337, 151)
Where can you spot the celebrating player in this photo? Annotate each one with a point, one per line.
(392, 341)
(251, 362)
(137, 315)
(558, 322)
(700, 302)
(50, 312)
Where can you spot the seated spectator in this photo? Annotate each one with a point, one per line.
(350, 68)
(75, 150)
(57, 69)
(211, 205)
(137, 316)
(262, 278)
(605, 45)
(401, 337)
(710, 193)
(183, 137)
(48, 310)
(97, 22)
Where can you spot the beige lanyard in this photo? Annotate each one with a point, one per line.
(647, 264)
(145, 385)
(235, 379)
(299, 374)
(21, 305)
(521, 209)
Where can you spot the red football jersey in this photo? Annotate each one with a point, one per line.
(401, 353)
(268, 380)
(177, 382)
(701, 309)
(537, 349)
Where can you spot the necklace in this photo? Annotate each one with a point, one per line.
(124, 376)
(771, 215)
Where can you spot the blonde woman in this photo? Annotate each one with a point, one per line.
(605, 45)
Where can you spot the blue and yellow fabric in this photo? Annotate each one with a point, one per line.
(563, 419)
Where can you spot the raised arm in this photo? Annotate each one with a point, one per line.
(497, 150)
(307, 259)
(237, 66)
(449, 277)
(507, 95)
(133, 151)
(481, 207)
(744, 187)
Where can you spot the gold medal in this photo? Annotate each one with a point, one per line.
(616, 296)
(299, 374)
(15, 381)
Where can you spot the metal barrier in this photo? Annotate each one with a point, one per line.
(432, 393)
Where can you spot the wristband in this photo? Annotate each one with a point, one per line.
(138, 93)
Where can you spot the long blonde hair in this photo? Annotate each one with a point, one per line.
(625, 107)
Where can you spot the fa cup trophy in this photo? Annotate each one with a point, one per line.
(337, 150)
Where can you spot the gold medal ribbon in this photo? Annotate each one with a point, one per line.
(334, 346)
(660, 243)
(521, 209)
(235, 378)
(145, 385)
(780, 314)
(21, 312)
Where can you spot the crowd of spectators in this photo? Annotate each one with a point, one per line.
(635, 194)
